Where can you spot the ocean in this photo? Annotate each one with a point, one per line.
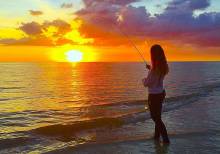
(101, 108)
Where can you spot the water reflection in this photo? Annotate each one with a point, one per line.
(33, 95)
(161, 148)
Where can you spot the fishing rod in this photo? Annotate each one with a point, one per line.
(115, 26)
(131, 42)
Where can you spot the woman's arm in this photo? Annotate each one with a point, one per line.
(149, 81)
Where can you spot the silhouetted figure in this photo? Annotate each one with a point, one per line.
(156, 91)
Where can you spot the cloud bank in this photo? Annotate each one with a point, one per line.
(177, 22)
(101, 19)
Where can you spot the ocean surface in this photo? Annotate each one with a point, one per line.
(101, 108)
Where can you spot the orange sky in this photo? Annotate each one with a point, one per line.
(47, 30)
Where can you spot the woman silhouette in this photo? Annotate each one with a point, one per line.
(154, 81)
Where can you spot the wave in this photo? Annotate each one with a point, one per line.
(199, 91)
(133, 117)
(144, 137)
(4, 99)
(78, 126)
(9, 88)
(13, 142)
(9, 99)
(89, 147)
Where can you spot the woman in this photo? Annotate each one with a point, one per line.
(156, 91)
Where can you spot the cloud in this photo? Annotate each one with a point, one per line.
(62, 26)
(35, 41)
(176, 22)
(35, 13)
(102, 21)
(189, 4)
(49, 33)
(32, 28)
(89, 3)
(66, 5)
(12, 41)
(99, 19)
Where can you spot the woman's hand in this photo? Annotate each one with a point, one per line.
(148, 66)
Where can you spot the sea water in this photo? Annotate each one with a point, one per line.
(100, 108)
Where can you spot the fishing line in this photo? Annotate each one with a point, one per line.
(115, 26)
(120, 18)
(131, 42)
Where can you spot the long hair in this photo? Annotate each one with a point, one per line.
(158, 60)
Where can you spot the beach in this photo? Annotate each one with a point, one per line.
(100, 108)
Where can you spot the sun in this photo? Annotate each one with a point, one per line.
(74, 56)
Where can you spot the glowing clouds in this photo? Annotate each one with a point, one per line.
(176, 23)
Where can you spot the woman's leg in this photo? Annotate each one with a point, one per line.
(156, 133)
(159, 123)
(155, 105)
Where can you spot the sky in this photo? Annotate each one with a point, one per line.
(46, 30)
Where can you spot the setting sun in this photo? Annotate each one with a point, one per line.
(74, 56)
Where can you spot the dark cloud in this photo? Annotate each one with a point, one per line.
(134, 20)
(176, 22)
(32, 28)
(89, 3)
(100, 13)
(186, 6)
(66, 5)
(36, 37)
(35, 12)
(199, 4)
(63, 27)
